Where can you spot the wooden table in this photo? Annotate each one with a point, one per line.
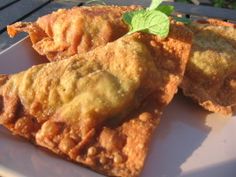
(25, 10)
(29, 10)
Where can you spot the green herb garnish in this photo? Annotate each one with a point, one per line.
(166, 9)
(128, 16)
(147, 22)
(153, 20)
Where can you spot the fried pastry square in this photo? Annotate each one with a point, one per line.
(210, 76)
(70, 31)
(99, 108)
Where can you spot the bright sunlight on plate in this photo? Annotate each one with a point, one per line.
(190, 142)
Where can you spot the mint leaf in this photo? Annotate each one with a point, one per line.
(184, 20)
(154, 4)
(166, 9)
(128, 16)
(153, 22)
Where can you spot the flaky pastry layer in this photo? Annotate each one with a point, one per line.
(147, 69)
(210, 76)
(66, 32)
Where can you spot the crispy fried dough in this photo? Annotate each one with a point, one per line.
(210, 76)
(100, 108)
(80, 29)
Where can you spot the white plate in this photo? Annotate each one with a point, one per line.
(190, 142)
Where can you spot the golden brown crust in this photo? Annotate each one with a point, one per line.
(3, 79)
(114, 148)
(31, 28)
(80, 29)
(123, 155)
(211, 71)
(216, 22)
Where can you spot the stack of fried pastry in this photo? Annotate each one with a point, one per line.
(105, 99)
(102, 105)
(211, 71)
(67, 32)
(210, 76)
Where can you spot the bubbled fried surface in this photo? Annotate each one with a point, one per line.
(88, 89)
(116, 145)
(66, 32)
(211, 71)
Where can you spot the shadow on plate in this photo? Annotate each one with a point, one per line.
(182, 130)
(221, 169)
(24, 159)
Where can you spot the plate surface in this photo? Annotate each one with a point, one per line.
(190, 142)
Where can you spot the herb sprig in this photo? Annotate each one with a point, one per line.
(153, 20)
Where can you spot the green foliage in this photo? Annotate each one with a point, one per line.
(224, 3)
(127, 17)
(184, 1)
(233, 5)
(216, 3)
(153, 20)
(165, 9)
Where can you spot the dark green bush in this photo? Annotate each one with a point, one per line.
(231, 4)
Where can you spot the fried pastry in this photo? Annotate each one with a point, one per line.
(100, 108)
(80, 29)
(210, 76)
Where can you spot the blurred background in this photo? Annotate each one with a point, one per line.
(230, 4)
